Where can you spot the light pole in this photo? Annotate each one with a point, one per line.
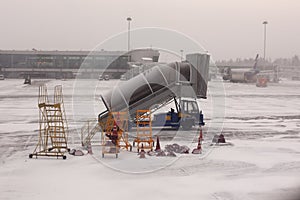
(128, 45)
(265, 38)
(181, 55)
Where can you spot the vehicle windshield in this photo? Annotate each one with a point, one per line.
(190, 106)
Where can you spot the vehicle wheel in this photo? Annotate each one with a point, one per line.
(64, 157)
(103, 155)
(30, 155)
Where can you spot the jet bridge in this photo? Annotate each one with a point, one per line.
(159, 85)
(155, 88)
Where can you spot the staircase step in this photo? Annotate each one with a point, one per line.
(52, 128)
(56, 142)
(50, 110)
(143, 129)
(60, 116)
(57, 131)
(57, 136)
(59, 147)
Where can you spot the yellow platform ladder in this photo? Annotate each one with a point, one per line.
(52, 125)
(58, 99)
(116, 126)
(143, 130)
(109, 145)
(121, 120)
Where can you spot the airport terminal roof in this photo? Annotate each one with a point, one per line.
(56, 52)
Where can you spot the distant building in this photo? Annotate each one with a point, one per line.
(69, 64)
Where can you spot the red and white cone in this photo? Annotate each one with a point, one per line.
(89, 148)
(142, 153)
(157, 148)
(198, 150)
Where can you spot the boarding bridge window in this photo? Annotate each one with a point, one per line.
(185, 73)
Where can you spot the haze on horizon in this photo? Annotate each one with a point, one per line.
(227, 29)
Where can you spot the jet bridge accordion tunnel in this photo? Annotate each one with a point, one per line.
(159, 85)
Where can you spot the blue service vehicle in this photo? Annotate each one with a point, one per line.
(186, 115)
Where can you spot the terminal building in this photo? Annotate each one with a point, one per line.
(70, 64)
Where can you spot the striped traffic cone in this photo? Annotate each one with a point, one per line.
(198, 150)
(157, 148)
(142, 153)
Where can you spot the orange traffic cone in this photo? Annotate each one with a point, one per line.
(201, 135)
(199, 144)
(142, 153)
(89, 148)
(157, 148)
(198, 150)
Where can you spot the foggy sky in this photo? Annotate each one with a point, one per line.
(227, 29)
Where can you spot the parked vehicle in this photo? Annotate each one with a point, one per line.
(106, 77)
(27, 80)
(123, 78)
(186, 115)
(261, 81)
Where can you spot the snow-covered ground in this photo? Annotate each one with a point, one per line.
(263, 162)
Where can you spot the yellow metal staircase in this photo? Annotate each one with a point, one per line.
(52, 125)
(116, 131)
(143, 130)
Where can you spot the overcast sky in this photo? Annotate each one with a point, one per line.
(227, 29)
